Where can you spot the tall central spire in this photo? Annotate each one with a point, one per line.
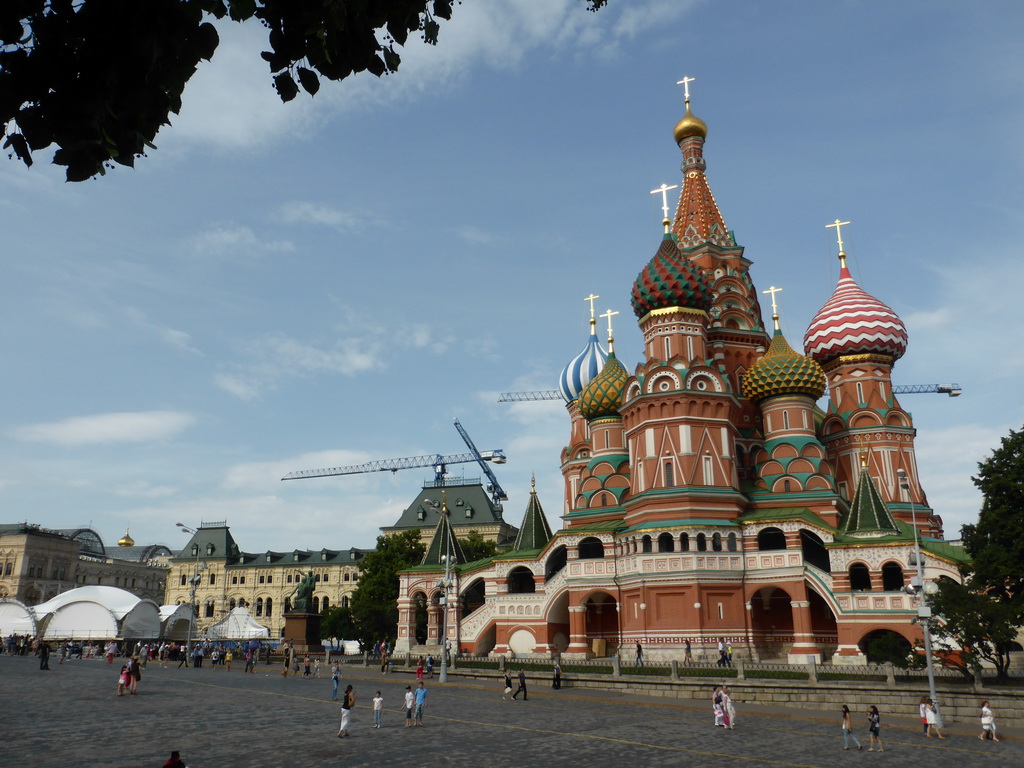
(698, 219)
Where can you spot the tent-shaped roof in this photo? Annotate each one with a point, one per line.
(237, 625)
(535, 532)
(16, 618)
(98, 612)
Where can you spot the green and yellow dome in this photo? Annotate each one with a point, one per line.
(603, 395)
(670, 280)
(783, 372)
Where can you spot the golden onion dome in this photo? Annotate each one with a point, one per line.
(126, 540)
(690, 125)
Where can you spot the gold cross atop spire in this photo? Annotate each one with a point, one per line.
(593, 323)
(839, 236)
(685, 82)
(663, 189)
(533, 482)
(775, 309)
(611, 340)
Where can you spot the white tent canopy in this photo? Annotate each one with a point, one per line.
(98, 612)
(237, 625)
(175, 620)
(16, 618)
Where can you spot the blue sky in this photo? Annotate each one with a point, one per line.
(328, 282)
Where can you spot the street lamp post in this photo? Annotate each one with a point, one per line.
(194, 581)
(924, 611)
(445, 585)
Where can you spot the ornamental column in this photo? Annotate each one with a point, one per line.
(577, 630)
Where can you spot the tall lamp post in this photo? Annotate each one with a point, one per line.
(445, 585)
(924, 611)
(194, 581)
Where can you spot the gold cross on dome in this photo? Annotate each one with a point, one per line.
(685, 82)
(775, 309)
(592, 298)
(609, 314)
(839, 231)
(663, 189)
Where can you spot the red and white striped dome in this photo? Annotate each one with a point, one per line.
(853, 322)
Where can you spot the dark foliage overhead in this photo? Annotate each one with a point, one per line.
(100, 78)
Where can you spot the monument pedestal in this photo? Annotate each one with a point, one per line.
(303, 629)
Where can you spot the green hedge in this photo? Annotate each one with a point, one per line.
(776, 674)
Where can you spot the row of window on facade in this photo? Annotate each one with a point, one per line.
(268, 578)
(39, 572)
(265, 607)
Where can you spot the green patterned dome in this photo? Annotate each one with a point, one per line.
(783, 372)
(603, 395)
(670, 280)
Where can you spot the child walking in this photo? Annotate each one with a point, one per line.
(378, 709)
(410, 699)
(122, 680)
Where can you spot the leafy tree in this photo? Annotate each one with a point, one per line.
(337, 624)
(982, 615)
(99, 78)
(893, 648)
(476, 547)
(375, 601)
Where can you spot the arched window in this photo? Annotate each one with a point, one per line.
(209, 609)
(670, 479)
(591, 549)
(771, 538)
(892, 577)
(184, 580)
(702, 543)
(259, 606)
(716, 541)
(344, 601)
(666, 543)
(520, 580)
(316, 604)
(860, 578)
(556, 562)
(645, 544)
(731, 545)
(287, 604)
(813, 549)
(325, 604)
(268, 608)
(684, 542)
(231, 604)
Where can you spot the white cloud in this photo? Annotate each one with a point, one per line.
(302, 212)
(170, 336)
(139, 427)
(228, 239)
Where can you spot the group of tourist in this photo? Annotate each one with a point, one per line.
(414, 704)
(929, 725)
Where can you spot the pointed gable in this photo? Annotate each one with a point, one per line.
(535, 532)
(868, 514)
(443, 541)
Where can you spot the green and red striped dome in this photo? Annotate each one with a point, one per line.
(670, 280)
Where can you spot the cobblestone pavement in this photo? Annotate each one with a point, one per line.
(71, 716)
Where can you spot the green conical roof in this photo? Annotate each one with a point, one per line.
(783, 372)
(444, 541)
(868, 513)
(535, 532)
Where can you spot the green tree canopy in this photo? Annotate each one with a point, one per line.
(99, 78)
(337, 623)
(476, 547)
(983, 615)
(375, 601)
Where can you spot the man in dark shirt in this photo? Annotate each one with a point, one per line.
(175, 761)
(522, 685)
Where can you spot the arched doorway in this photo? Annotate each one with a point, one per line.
(601, 618)
(881, 645)
(556, 562)
(814, 552)
(771, 622)
(520, 580)
(558, 622)
(473, 597)
(420, 601)
(823, 624)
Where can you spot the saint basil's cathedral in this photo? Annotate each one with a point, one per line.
(707, 496)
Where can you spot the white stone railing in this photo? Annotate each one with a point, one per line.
(474, 624)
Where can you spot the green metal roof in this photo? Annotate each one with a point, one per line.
(704, 522)
(781, 514)
(444, 542)
(535, 532)
(868, 514)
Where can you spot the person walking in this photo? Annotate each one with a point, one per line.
(932, 719)
(316, 667)
(556, 676)
(430, 666)
(508, 685)
(729, 707)
(522, 685)
(421, 703)
(716, 707)
(688, 657)
(348, 701)
(378, 709)
(335, 680)
(988, 723)
(134, 674)
(874, 729)
(848, 730)
(419, 669)
(922, 708)
(383, 662)
(44, 656)
(306, 667)
(639, 655)
(410, 701)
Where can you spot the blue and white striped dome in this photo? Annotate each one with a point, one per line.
(582, 368)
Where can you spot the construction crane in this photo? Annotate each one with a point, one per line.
(437, 461)
(498, 494)
(953, 390)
